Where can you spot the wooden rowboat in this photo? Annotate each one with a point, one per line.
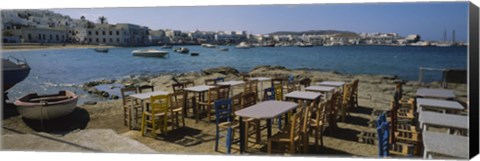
(46, 107)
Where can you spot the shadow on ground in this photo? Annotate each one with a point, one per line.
(78, 119)
(186, 136)
(362, 110)
(344, 134)
(356, 120)
(9, 110)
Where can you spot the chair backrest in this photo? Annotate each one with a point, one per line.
(249, 99)
(383, 138)
(291, 78)
(278, 92)
(245, 77)
(269, 94)
(251, 86)
(293, 86)
(178, 87)
(125, 92)
(223, 91)
(398, 92)
(335, 102)
(306, 82)
(188, 83)
(219, 79)
(145, 88)
(237, 103)
(347, 94)
(307, 115)
(322, 112)
(381, 119)
(177, 99)
(296, 126)
(277, 81)
(213, 94)
(223, 110)
(210, 82)
(159, 103)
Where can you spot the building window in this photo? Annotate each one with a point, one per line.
(110, 32)
(118, 33)
(118, 40)
(58, 38)
(89, 39)
(104, 40)
(63, 37)
(89, 32)
(103, 32)
(29, 37)
(111, 40)
(51, 37)
(96, 40)
(96, 32)
(39, 37)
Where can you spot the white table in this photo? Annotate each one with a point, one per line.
(263, 110)
(142, 97)
(232, 84)
(438, 105)
(201, 89)
(445, 144)
(322, 89)
(331, 83)
(310, 96)
(450, 121)
(435, 93)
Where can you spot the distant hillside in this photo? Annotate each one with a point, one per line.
(313, 32)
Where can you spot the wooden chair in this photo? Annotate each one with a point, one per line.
(354, 94)
(190, 97)
(224, 91)
(251, 86)
(188, 83)
(335, 103)
(268, 94)
(237, 103)
(291, 138)
(159, 110)
(145, 88)
(177, 87)
(278, 91)
(127, 103)
(385, 148)
(318, 123)
(293, 86)
(346, 102)
(207, 105)
(306, 128)
(177, 100)
(250, 99)
(210, 82)
(224, 122)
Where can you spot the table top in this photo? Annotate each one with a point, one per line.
(331, 83)
(443, 120)
(266, 109)
(435, 93)
(260, 78)
(200, 88)
(144, 96)
(320, 88)
(441, 143)
(303, 95)
(439, 104)
(231, 83)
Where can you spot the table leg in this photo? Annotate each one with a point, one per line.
(269, 128)
(130, 111)
(242, 136)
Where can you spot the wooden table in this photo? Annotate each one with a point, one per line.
(302, 95)
(232, 84)
(435, 93)
(331, 83)
(450, 121)
(263, 110)
(438, 105)
(445, 144)
(142, 97)
(322, 89)
(201, 89)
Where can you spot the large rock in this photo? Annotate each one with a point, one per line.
(92, 140)
(222, 70)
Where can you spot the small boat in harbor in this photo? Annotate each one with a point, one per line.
(243, 45)
(149, 53)
(223, 49)
(305, 45)
(13, 73)
(194, 54)
(209, 45)
(101, 50)
(166, 46)
(46, 107)
(182, 50)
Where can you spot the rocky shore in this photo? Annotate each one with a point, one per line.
(375, 92)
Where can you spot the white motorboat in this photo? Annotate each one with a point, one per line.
(209, 45)
(149, 53)
(45, 107)
(243, 45)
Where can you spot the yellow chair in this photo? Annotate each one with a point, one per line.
(289, 139)
(318, 123)
(346, 101)
(160, 106)
(177, 109)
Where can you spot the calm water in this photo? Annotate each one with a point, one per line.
(66, 68)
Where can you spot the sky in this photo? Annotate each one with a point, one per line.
(428, 19)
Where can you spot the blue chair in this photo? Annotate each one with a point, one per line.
(269, 94)
(290, 78)
(219, 79)
(383, 136)
(385, 148)
(224, 121)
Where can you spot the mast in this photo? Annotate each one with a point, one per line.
(445, 36)
(453, 36)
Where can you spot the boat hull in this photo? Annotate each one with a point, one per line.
(150, 54)
(13, 75)
(51, 110)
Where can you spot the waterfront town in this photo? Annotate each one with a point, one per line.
(47, 27)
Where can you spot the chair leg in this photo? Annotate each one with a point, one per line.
(216, 139)
(183, 119)
(153, 122)
(229, 138)
(142, 128)
(246, 135)
(316, 139)
(165, 122)
(305, 143)
(269, 146)
(292, 147)
(257, 131)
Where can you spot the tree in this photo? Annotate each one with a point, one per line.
(102, 19)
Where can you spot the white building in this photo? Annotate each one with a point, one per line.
(119, 34)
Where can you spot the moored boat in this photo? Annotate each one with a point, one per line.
(194, 54)
(13, 73)
(182, 50)
(149, 53)
(223, 49)
(166, 46)
(101, 50)
(46, 107)
(209, 45)
(243, 45)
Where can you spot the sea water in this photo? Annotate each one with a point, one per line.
(56, 69)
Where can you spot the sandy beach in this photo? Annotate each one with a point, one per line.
(375, 92)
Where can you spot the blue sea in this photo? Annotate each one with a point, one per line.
(69, 68)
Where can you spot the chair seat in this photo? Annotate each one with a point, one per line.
(400, 149)
(157, 114)
(229, 125)
(407, 136)
(282, 137)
